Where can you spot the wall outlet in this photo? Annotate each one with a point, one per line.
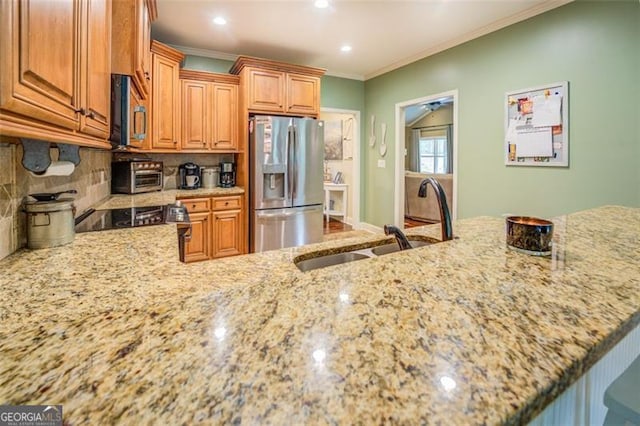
(381, 164)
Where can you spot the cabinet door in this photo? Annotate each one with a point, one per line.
(227, 233)
(39, 67)
(266, 90)
(165, 123)
(195, 112)
(143, 47)
(198, 247)
(303, 94)
(95, 60)
(225, 117)
(131, 43)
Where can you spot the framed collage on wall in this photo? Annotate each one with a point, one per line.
(537, 126)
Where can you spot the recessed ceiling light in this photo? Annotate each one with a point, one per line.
(321, 4)
(345, 48)
(219, 20)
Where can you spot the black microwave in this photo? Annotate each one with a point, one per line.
(128, 120)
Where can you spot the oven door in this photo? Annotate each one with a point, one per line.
(146, 180)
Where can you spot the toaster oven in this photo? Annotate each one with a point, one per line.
(136, 176)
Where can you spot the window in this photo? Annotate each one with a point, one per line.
(433, 154)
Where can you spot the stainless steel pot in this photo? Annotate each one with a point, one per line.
(49, 223)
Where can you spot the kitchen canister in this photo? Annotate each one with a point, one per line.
(49, 223)
(210, 176)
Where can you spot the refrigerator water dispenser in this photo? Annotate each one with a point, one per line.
(273, 185)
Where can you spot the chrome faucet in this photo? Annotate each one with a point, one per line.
(445, 217)
(403, 243)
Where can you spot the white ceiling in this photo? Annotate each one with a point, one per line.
(384, 34)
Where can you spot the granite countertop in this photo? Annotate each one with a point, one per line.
(158, 198)
(461, 332)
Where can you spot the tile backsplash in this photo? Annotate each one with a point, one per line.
(91, 178)
(172, 161)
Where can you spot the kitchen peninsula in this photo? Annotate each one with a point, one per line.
(133, 336)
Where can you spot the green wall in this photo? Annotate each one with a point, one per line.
(201, 63)
(593, 45)
(342, 93)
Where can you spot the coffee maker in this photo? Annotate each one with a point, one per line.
(227, 175)
(190, 177)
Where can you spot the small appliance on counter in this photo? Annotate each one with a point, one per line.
(210, 176)
(190, 176)
(135, 175)
(50, 221)
(227, 175)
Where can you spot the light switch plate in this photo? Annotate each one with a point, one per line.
(381, 164)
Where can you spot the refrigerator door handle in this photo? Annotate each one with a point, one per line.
(294, 147)
(290, 163)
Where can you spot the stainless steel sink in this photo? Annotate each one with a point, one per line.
(329, 260)
(392, 248)
(356, 252)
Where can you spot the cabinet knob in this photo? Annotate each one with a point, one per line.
(226, 204)
(81, 111)
(175, 142)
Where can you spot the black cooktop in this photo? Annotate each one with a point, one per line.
(100, 220)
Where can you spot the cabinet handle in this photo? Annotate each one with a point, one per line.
(91, 114)
(226, 204)
(140, 109)
(81, 111)
(175, 142)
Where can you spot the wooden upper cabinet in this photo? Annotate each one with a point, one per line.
(209, 111)
(40, 66)
(165, 111)
(131, 31)
(56, 71)
(96, 64)
(195, 114)
(266, 90)
(225, 117)
(303, 94)
(280, 88)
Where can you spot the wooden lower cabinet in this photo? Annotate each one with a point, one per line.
(199, 246)
(216, 227)
(227, 233)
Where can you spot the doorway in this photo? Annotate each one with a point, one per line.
(342, 169)
(427, 146)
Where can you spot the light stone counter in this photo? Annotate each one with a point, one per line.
(463, 332)
(159, 198)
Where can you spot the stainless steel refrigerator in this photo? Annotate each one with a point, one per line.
(286, 172)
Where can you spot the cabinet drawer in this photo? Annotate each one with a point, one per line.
(226, 203)
(196, 205)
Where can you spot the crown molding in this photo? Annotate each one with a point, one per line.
(345, 75)
(166, 50)
(494, 26)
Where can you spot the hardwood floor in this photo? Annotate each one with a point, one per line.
(413, 222)
(334, 226)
